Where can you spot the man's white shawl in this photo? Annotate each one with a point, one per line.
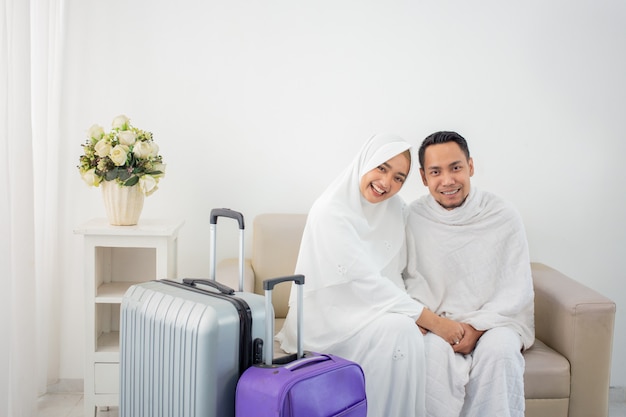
(471, 264)
(349, 249)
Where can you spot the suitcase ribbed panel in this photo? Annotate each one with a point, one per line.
(179, 351)
(161, 370)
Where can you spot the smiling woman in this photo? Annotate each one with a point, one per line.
(387, 179)
(354, 303)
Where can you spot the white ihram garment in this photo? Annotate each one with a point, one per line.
(471, 264)
(355, 304)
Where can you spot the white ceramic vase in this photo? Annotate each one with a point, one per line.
(123, 204)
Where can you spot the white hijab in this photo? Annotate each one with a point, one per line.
(349, 248)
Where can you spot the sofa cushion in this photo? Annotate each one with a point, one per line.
(547, 373)
(275, 247)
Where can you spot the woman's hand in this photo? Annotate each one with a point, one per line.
(449, 330)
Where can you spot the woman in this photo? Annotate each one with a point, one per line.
(355, 305)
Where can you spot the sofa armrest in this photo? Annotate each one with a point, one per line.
(577, 322)
(227, 272)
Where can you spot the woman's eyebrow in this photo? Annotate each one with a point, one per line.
(386, 165)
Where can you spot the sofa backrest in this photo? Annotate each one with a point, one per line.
(275, 247)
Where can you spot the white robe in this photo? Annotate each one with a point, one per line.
(355, 306)
(471, 264)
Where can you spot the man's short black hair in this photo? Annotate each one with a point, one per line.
(442, 137)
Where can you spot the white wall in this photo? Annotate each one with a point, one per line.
(258, 105)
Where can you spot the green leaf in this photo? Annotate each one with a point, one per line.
(132, 181)
(111, 175)
(123, 175)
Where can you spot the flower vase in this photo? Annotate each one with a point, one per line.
(123, 204)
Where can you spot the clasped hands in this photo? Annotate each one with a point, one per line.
(469, 336)
(461, 336)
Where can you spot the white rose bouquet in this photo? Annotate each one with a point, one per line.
(126, 155)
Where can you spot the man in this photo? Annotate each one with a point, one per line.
(468, 261)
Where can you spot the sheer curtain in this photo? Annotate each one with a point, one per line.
(46, 81)
(27, 76)
(18, 385)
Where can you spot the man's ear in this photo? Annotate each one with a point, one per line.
(471, 166)
(423, 175)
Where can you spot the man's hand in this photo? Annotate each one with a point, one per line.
(470, 337)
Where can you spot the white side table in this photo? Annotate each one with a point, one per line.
(116, 257)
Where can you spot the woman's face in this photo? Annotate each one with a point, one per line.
(385, 180)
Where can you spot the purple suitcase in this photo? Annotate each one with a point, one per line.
(312, 385)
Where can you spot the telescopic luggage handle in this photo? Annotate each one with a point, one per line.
(225, 212)
(268, 286)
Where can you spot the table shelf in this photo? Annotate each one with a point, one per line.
(115, 258)
(112, 292)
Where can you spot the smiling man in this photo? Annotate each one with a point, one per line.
(447, 170)
(468, 261)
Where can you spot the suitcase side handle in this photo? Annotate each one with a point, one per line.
(226, 212)
(224, 289)
(307, 361)
(268, 286)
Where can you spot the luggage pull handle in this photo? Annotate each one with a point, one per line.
(226, 212)
(268, 286)
(224, 289)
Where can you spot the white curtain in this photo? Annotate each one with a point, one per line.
(29, 48)
(18, 384)
(46, 81)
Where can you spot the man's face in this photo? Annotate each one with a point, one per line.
(447, 173)
(386, 180)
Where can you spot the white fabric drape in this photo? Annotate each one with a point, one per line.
(348, 250)
(27, 214)
(47, 53)
(18, 388)
(474, 265)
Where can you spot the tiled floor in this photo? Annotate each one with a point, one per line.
(68, 405)
(71, 405)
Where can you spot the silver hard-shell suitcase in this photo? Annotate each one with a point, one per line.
(184, 345)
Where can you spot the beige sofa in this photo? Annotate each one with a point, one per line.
(567, 369)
